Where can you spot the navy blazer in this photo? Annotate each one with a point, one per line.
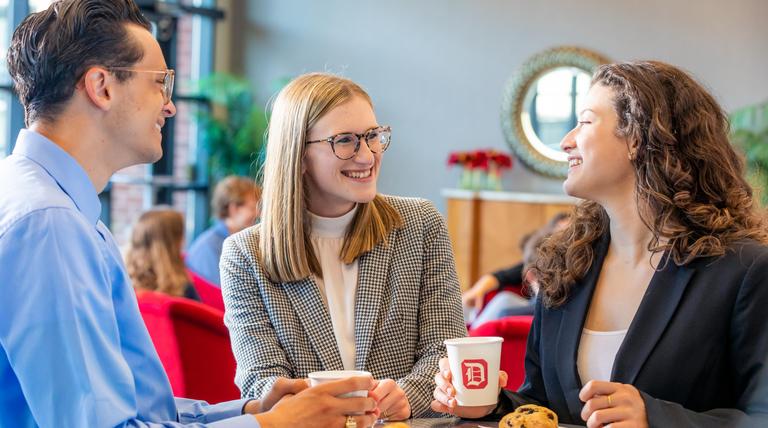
(695, 349)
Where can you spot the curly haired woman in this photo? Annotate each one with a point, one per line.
(652, 302)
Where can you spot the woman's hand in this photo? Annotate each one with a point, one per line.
(474, 297)
(320, 406)
(611, 404)
(445, 395)
(393, 404)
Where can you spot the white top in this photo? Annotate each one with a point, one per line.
(339, 282)
(597, 352)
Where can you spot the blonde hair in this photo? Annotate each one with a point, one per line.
(232, 189)
(285, 250)
(153, 259)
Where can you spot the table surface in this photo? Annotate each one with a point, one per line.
(452, 423)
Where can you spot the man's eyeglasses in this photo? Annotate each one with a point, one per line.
(346, 145)
(168, 78)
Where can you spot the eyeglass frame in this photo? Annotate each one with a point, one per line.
(360, 137)
(169, 76)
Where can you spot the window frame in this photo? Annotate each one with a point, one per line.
(159, 183)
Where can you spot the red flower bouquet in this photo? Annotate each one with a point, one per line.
(481, 168)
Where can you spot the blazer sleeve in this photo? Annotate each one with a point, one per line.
(748, 346)
(260, 358)
(440, 315)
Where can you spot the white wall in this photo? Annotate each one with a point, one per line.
(436, 68)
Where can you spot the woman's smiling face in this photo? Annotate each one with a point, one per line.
(333, 185)
(598, 163)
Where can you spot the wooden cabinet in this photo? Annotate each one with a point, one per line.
(486, 227)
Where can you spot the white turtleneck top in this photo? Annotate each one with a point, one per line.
(339, 282)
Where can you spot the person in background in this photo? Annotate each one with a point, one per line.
(335, 275)
(153, 258)
(235, 204)
(508, 301)
(652, 303)
(74, 350)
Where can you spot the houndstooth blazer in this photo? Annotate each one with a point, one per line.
(407, 303)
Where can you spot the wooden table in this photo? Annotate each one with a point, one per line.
(453, 423)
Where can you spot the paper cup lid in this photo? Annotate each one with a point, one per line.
(478, 340)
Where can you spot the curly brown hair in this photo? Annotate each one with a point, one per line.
(689, 179)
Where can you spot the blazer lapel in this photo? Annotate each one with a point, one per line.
(571, 324)
(372, 278)
(653, 315)
(309, 306)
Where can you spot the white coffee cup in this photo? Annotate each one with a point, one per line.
(474, 363)
(319, 378)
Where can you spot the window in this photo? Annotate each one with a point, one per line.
(11, 112)
(38, 5)
(6, 28)
(185, 33)
(5, 134)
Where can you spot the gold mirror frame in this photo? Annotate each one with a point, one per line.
(512, 107)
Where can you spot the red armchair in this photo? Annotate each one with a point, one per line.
(209, 293)
(514, 330)
(193, 345)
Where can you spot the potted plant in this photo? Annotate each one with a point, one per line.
(749, 132)
(234, 126)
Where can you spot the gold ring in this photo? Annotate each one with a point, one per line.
(385, 415)
(351, 422)
(610, 404)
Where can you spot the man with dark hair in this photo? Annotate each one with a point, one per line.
(74, 351)
(235, 203)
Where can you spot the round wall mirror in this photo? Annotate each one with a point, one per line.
(541, 103)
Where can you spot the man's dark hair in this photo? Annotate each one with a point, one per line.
(51, 50)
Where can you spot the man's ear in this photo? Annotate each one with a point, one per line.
(99, 87)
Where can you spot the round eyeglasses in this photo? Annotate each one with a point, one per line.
(347, 144)
(168, 78)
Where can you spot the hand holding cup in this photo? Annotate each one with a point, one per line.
(469, 380)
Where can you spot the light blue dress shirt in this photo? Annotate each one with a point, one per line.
(204, 253)
(74, 351)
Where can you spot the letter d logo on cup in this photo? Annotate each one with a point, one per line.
(474, 373)
(474, 362)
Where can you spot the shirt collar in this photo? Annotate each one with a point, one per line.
(69, 175)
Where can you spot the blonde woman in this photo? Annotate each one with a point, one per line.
(337, 276)
(153, 259)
